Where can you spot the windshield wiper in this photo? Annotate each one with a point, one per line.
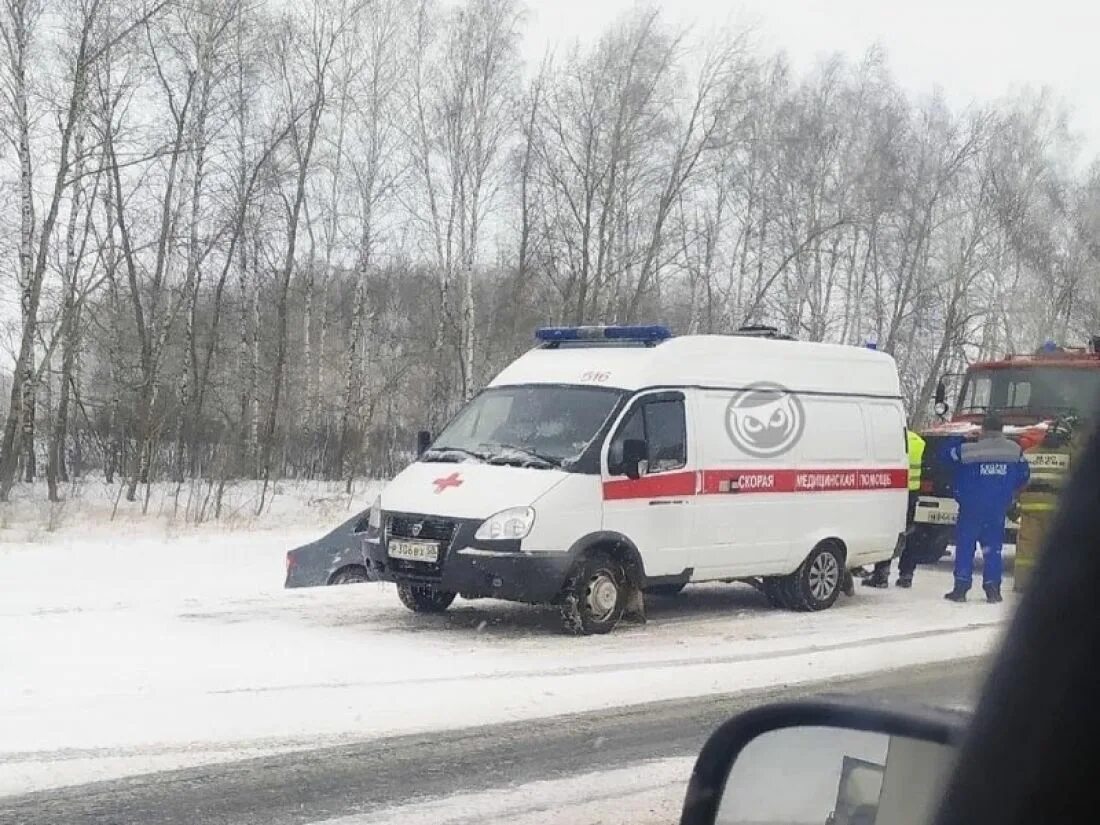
(438, 451)
(545, 460)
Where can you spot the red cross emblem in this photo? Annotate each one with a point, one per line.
(453, 480)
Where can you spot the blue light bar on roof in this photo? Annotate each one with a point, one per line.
(649, 332)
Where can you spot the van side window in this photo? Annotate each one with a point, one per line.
(666, 435)
(662, 426)
(632, 428)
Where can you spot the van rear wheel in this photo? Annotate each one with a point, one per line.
(817, 583)
(594, 596)
(421, 599)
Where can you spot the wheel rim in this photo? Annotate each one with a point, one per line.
(824, 576)
(602, 595)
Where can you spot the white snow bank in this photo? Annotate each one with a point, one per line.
(120, 656)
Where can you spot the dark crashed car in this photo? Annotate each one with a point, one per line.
(335, 558)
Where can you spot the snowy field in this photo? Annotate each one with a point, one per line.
(89, 503)
(132, 648)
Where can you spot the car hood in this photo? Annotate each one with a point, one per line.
(466, 490)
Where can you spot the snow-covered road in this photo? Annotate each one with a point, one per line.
(128, 656)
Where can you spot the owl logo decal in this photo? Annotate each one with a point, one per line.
(765, 420)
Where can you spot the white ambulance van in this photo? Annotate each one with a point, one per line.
(612, 461)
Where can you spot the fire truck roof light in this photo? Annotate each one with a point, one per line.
(646, 333)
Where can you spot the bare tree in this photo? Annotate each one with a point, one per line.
(305, 61)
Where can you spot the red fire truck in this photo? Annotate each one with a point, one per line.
(1028, 392)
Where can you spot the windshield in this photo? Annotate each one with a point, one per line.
(540, 425)
(1031, 391)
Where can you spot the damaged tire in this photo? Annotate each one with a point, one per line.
(421, 599)
(594, 596)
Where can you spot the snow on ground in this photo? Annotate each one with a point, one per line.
(90, 504)
(135, 650)
(650, 793)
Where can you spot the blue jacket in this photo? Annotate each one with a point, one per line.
(988, 473)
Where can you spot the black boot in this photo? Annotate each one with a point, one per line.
(877, 580)
(992, 593)
(905, 580)
(848, 584)
(958, 594)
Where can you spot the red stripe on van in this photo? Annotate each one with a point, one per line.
(742, 482)
(719, 482)
(668, 484)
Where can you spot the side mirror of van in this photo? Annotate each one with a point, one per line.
(940, 407)
(423, 442)
(635, 453)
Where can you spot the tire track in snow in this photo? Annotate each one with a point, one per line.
(626, 667)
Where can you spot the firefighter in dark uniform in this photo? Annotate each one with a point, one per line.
(908, 561)
(989, 473)
(1050, 462)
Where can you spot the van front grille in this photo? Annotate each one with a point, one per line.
(421, 527)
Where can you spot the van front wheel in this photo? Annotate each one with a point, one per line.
(817, 583)
(594, 596)
(421, 599)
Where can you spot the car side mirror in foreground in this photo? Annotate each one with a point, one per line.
(831, 761)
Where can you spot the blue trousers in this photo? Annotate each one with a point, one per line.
(987, 529)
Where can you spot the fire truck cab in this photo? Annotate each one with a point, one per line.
(1028, 392)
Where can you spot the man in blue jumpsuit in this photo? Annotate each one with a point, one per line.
(988, 474)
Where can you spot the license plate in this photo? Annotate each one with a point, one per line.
(929, 516)
(424, 551)
(1056, 461)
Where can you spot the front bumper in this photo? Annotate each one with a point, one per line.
(471, 568)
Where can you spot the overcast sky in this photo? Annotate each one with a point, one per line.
(971, 48)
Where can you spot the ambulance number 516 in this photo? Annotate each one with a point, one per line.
(595, 377)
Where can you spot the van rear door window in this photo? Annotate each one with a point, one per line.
(887, 431)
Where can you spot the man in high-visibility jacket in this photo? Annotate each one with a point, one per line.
(1050, 462)
(908, 561)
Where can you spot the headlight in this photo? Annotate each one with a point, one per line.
(511, 524)
(375, 519)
